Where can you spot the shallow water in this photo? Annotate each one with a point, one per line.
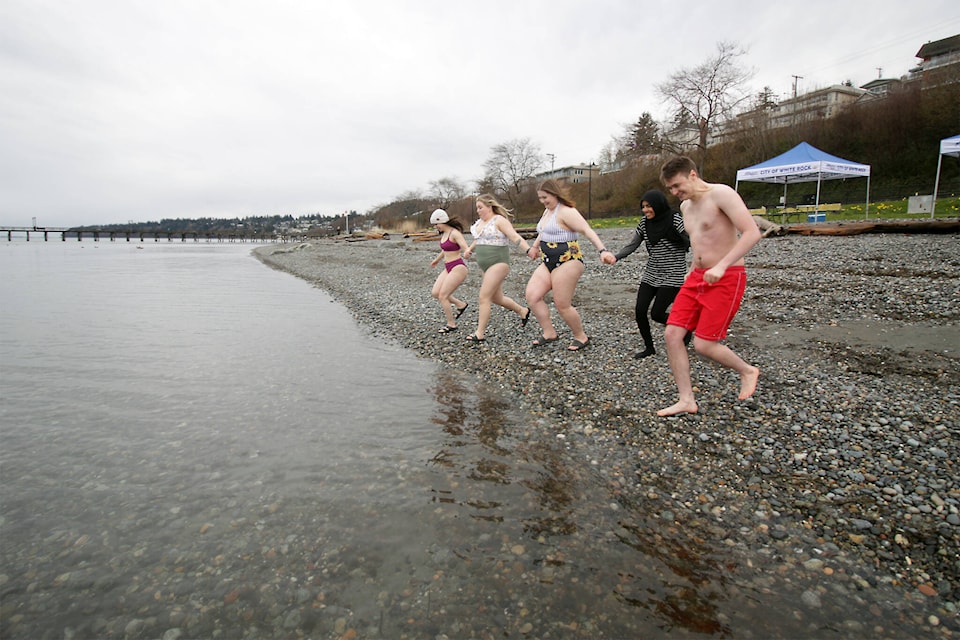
(193, 446)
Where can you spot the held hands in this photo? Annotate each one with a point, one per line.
(536, 253)
(608, 258)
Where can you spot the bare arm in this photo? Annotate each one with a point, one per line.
(506, 228)
(535, 248)
(473, 245)
(734, 208)
(573, 220)
(535, 245)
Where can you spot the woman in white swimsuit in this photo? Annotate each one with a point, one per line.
(492, 236)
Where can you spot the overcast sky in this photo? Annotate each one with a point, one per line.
(117, 110)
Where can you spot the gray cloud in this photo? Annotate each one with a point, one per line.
(120, 110)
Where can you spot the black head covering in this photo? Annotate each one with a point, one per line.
(658, 227)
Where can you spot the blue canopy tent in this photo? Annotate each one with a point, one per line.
(948, 147)
(805, 163)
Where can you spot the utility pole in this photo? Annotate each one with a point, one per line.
(795, 78)
(879, 72)
(551, 156)
(590, 193)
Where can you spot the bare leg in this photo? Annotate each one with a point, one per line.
(443, 290)
(503, 300)
(507, 302)
(565, 278)
(491, 290)
(538, 286)
(435, 292)
(484, 308)
(680, 366)
(722, 354)
(457, 302)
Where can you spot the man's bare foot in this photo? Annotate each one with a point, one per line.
(748, 383)
(679, 409)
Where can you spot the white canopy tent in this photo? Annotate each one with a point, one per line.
(805, 163)
(948, 147)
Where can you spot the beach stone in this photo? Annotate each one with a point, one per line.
(810, 599)
(813, 564)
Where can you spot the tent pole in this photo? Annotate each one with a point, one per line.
(783, 207)
(936, 186)
(816, 208)
(866, 211)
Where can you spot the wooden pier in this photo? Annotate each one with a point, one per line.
(141, 236)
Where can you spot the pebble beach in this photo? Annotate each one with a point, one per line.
(842, 469)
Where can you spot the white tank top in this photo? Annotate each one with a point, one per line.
(488, 233)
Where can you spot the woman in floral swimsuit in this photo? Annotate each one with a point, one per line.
(558, 232)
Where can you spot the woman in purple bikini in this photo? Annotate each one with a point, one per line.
(454, 272)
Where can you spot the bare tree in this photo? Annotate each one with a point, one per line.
(447, 191)
(610, 152)
(511, 164)
(703, 97)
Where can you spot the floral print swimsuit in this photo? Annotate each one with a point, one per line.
(557, 244)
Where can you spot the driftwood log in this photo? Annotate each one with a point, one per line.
(768, 228)
(875, 226)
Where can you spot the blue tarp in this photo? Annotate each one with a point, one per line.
(805, 163)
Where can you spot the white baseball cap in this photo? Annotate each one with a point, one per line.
(439, 216)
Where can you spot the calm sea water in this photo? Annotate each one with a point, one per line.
(193, 445)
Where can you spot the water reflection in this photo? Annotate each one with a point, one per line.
(689, 587)
(556, 541)
(488, 443)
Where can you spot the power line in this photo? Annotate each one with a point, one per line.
(889, 44)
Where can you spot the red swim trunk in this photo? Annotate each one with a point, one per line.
(708, 309)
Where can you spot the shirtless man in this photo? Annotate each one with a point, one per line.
(721, 232)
